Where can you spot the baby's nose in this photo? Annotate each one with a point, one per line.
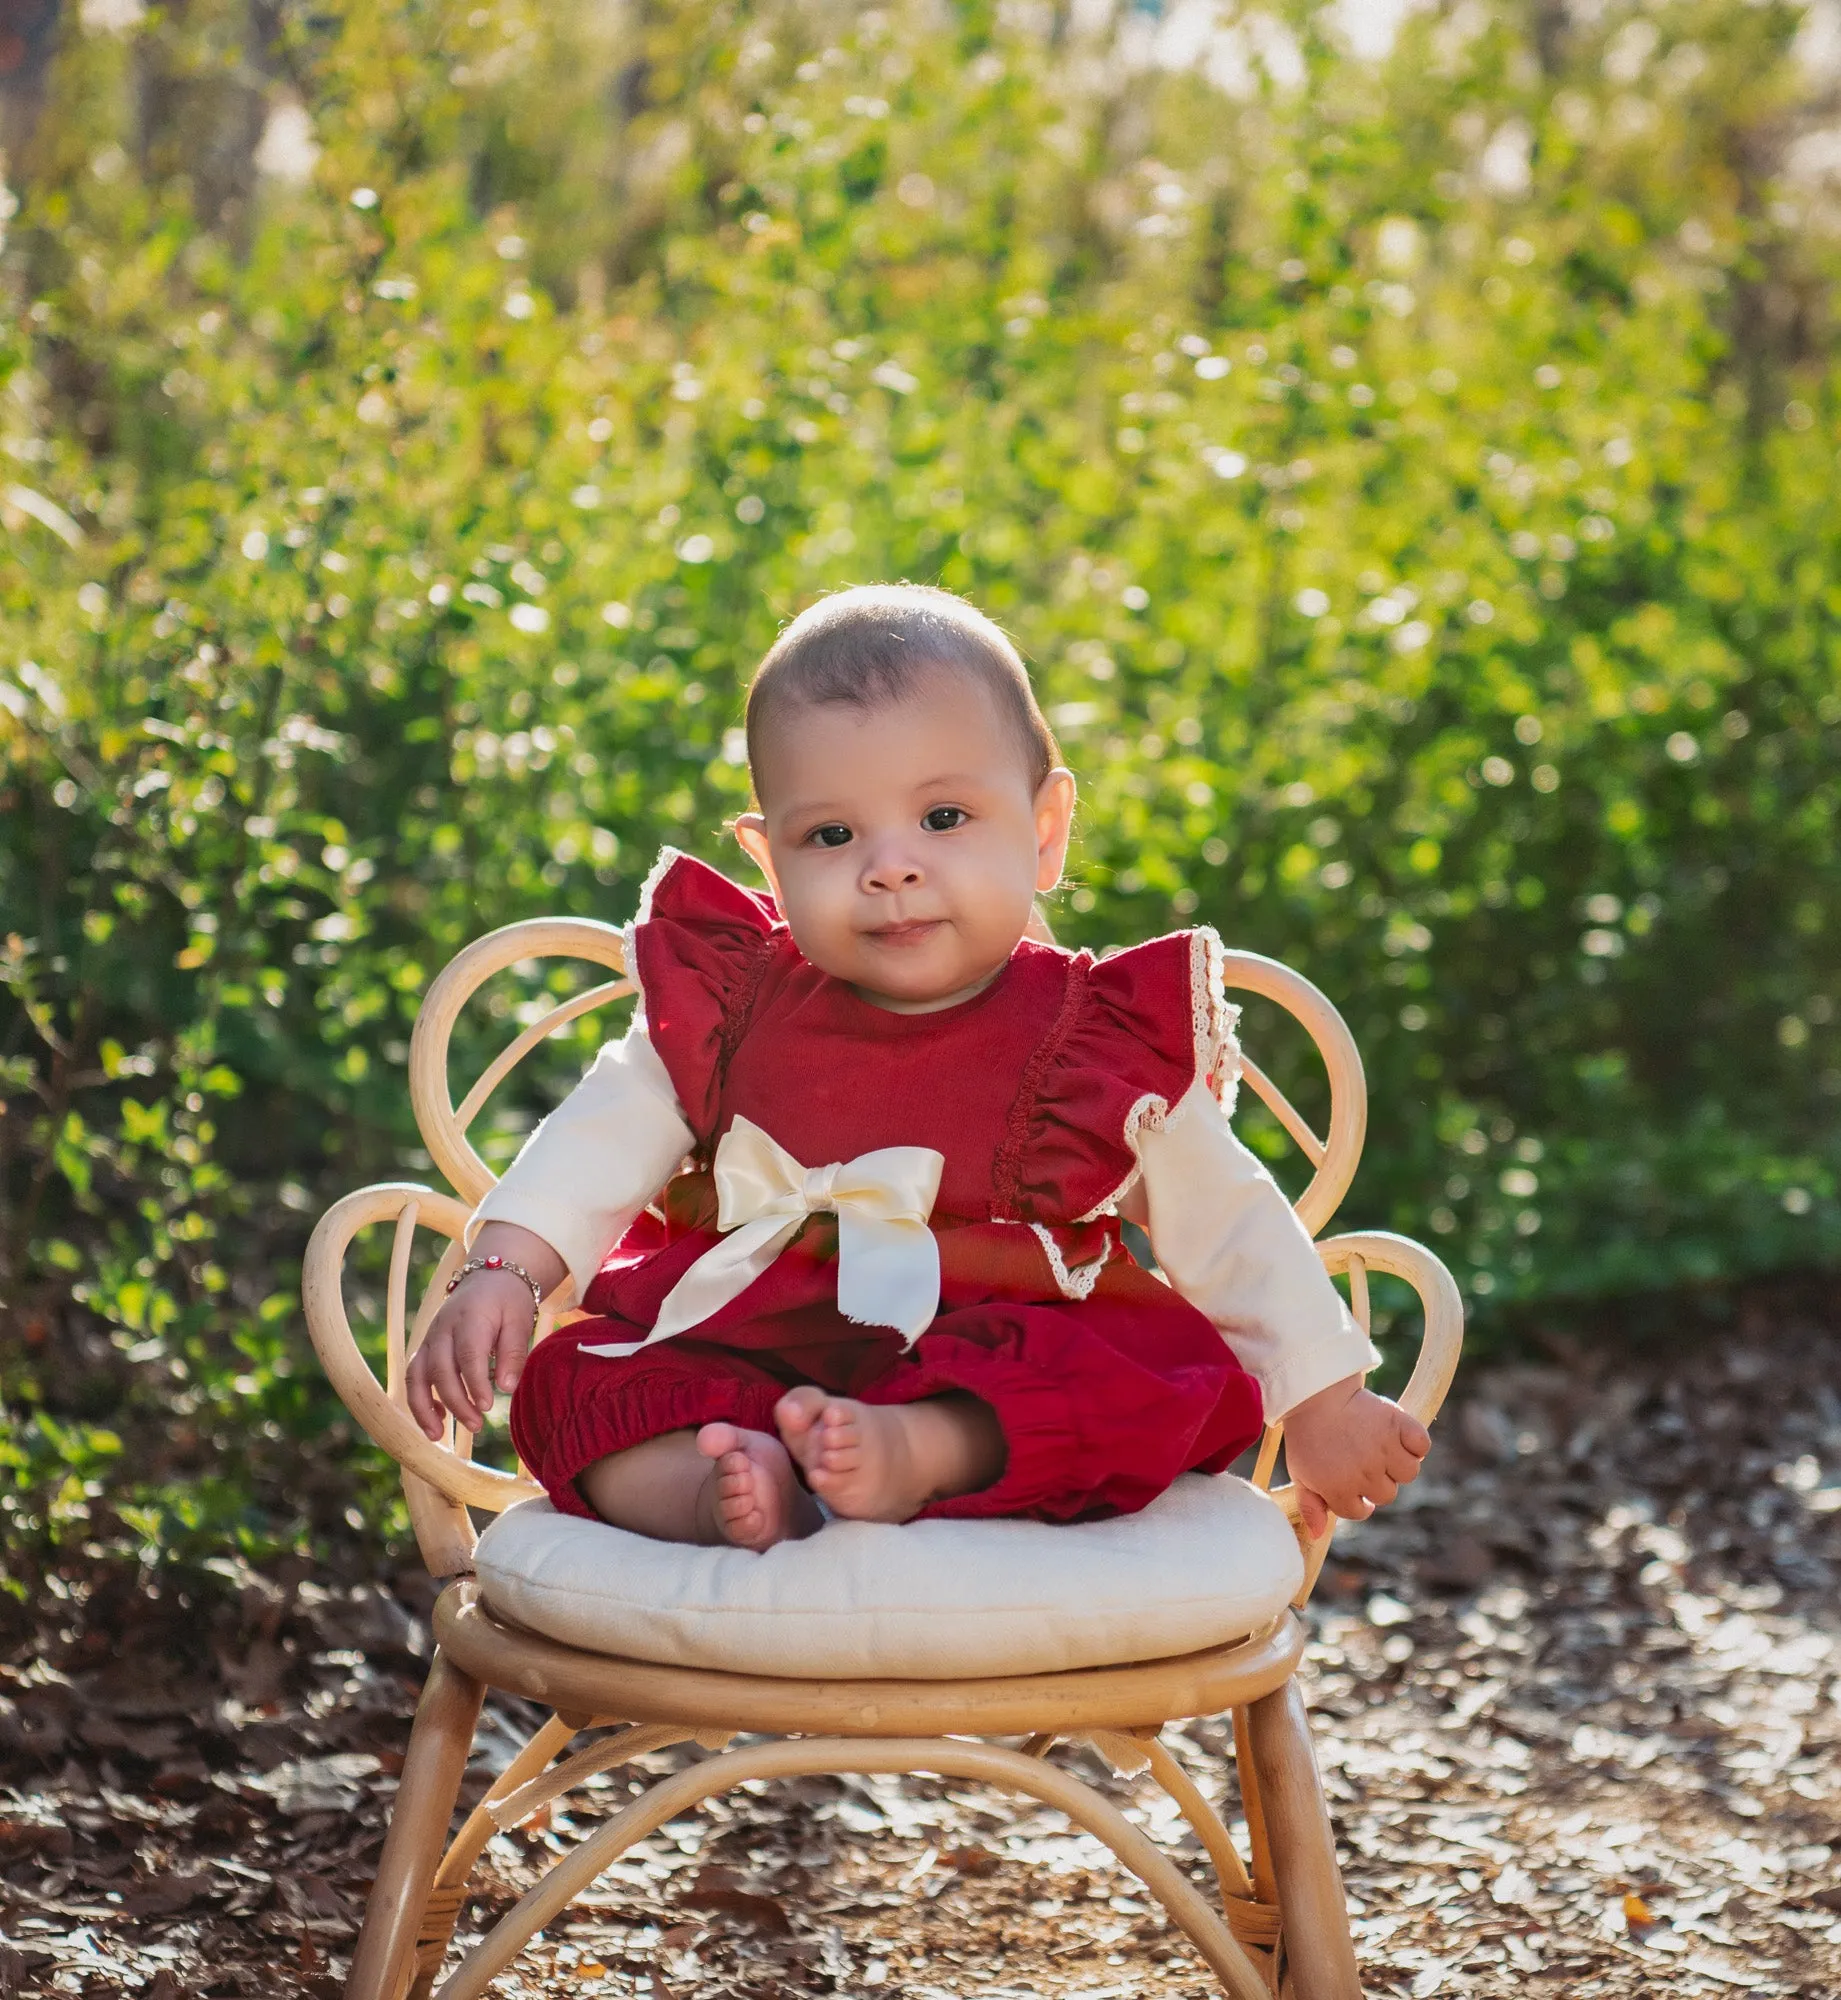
(893, 871)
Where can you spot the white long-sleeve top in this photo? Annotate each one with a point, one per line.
(1222, 1230)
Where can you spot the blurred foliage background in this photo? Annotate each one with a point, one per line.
(1401, 437)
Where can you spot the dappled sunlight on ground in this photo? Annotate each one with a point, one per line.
(1577, 1710)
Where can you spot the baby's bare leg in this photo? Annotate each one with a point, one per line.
(885, 1462)
(720, 1484)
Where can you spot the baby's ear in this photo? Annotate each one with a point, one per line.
(1054, 808)
(750, 830)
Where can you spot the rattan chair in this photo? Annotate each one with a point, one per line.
(1278, 1923)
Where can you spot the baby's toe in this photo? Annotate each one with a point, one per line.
(839, 1429)
(718, 1440)
(798, 1410)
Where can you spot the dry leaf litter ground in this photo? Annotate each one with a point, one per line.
(1578, 1704)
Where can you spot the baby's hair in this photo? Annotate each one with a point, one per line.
(871, 645)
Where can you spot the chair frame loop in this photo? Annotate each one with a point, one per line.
(1336, 1157)
(443, 1131)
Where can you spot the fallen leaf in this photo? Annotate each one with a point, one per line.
(182, 1778)
(1513, 1885)
(762, 1910)
(318, 1784)
(1637, 1913)
(20, 1837)
(242, 1870)
(1522, 1956)
(1722, 1970)
(167, 1895)
(972, 1861)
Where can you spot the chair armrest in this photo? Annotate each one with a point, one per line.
(1399, 1256)
(380, 1407)
(1443, 1340)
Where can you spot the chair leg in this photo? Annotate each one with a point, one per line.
(1318, 1948)
(439, 1745)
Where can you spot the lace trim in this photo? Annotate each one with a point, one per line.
(1212, 1020)
(1150, 1114)
(1214, 1017)
(668, 857)
(1077, 1283)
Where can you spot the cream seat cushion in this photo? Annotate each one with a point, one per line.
(1210, 1561)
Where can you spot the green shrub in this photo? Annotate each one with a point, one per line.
(1433, 581)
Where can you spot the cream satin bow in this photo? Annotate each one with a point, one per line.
(888, 1263)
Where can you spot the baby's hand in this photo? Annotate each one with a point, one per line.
(1350, 1451)
(479, 1339)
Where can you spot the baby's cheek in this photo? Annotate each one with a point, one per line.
(997, 908)
(819, 926)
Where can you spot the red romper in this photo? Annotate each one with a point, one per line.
(1107, 1383)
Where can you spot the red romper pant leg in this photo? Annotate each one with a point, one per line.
(571, 1408)
(1102, 1409)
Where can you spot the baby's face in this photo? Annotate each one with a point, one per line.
(904, 843)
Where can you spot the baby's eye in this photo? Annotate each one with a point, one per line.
(942, 819)
(834, 835)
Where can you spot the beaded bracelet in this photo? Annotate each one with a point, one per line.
(501, 1264)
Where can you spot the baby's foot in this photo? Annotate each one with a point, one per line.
(856, 1458)
(871, 1462)
(752, 1497)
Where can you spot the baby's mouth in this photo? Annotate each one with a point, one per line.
(911, 931)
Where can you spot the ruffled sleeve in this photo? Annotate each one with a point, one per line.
(697, 950)
(1137, 1032)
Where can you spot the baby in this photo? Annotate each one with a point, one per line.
(844, 1204)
